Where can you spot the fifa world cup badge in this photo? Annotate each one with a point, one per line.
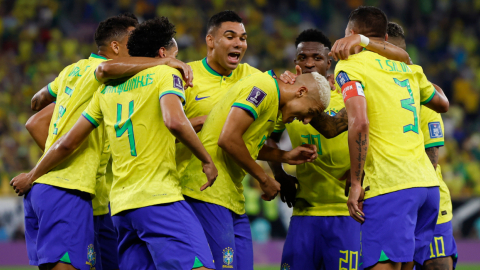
(91, 257)
(227, 257)
(285, 266)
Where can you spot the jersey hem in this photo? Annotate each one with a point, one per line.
(47, 182)
(428, 99)
(151, 203)
(174, 93)
(247, 108)
(444, 221)
(435, 144)
(212, 201)
(90, 119)
(100, 212)
(398, 188)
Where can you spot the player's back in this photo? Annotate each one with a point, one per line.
(74, 88)
(142, 147)
(396, 158)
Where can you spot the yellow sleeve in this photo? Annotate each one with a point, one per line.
(350, 70)
(172, 83)
(279, 125)
(53, 87)
(254, 100)
(427, 91)
(93, 113)
(432, 128)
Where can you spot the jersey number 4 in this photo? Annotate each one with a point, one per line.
(127, 126)
(409, 104)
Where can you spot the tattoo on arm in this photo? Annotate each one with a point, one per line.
(362, 154)
(331, 126)
(432, 154)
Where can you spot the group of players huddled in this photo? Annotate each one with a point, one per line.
(180, 138)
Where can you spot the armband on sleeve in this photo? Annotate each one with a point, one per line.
(352, 89)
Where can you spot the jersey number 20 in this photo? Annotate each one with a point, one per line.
(409, 104)
(127, 126)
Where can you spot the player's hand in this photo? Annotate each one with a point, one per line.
(331, 81)
(301, 154)
(185, 69)
(270, 188)
(355, 203)
(344, 47)
(211, 172)
(288, 77)
(288, 188)
(22, 183)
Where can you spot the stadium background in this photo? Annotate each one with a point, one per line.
(40, 37)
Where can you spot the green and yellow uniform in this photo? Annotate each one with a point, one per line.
(432, 128)
(209, 87)
(320, 193)
(396, 158)
(142, 147)
(259, 95)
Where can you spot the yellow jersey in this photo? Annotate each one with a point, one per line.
(319, 192)
(102, 188)
(142, 147)
(74, 88)
(259, 95)
(433, 130)
(208, 88)
(396, 157)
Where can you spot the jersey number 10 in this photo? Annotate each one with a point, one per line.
(127, 126)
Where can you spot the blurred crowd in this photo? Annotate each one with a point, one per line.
(40, 37)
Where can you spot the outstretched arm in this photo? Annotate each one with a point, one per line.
(38, 125)
(331, 126)
(42, 99)
(59, 151)
(128, 66)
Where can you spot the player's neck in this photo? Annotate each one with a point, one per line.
(285, 94)
(106, 54)
(216, 66)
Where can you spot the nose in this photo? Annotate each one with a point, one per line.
(310, 62)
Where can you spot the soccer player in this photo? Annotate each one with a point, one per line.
(442, 253)
(382, 98)
(70, 185)
(156, 228)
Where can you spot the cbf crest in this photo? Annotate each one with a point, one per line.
(91, 257)
(285, 266)
(228, 257)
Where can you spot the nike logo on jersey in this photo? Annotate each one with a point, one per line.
(200, 98)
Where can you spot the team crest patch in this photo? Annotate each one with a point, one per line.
(228, 257)
(435, 130)
(285, 266)
(91, 256)
(256, 96)
(342, 78)
(177, 82)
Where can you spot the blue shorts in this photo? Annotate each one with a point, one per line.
(106, 243)
(399, 226)
(228, 235)
(164, 236)
(322, 243)
(443, 244)
(59, 226)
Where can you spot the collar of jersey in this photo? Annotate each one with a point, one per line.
(97, 56)
(211, 70)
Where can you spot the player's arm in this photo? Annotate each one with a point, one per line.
(59, 151)
(343, 47)
(42, 98)
(178, 124)
(358, 142)
(197, 122)
(231, 141)
(128, 66)
(439, 102)
(432, 154)
(38, 125)
(331, 126)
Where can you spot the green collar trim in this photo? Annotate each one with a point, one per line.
(278, 90)
(97, 56)
(211, 70)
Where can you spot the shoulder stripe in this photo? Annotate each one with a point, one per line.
(181, 95)
(246, 108)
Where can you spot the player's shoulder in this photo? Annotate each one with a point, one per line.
(416, 68)
(245, 69)
(195, 65)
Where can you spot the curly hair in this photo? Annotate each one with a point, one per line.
(150, 36)
(313, 35)
(395, 30)
(369, 21)
(114, 28)
(221, 17)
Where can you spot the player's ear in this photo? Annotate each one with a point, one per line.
(162, 52)
(115, 46)
(301, 91)
(210, 40)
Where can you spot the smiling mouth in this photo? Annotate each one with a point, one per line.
(234, 57)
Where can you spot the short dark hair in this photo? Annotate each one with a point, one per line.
(369, 21)
(395, 30)
(221, 17)
(150, 36)
(313, 35)
(114, 28)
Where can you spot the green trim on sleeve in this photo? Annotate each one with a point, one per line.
(430, 98)
(95, 75)
(246, 108)
(435, 144)
(181, 95)
(50, 91)
(90, 119)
